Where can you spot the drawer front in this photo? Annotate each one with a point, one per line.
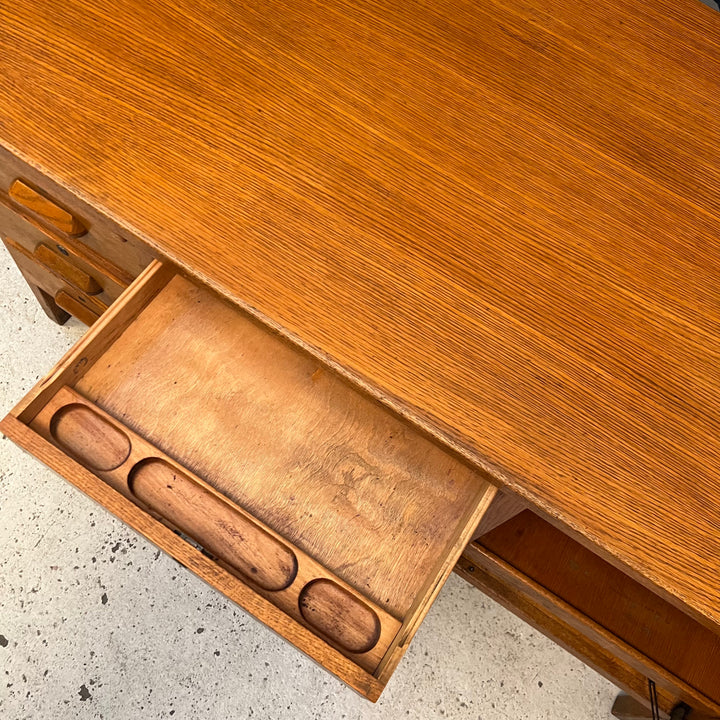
(60, 250)
(308, 503)
(48, 212)
(34, 209)
(64, 284)
(597, 612)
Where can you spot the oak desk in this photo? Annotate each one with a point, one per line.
(498, 220)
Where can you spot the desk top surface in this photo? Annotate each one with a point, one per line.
(504, 216)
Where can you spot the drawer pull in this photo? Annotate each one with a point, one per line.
(31, 199)
(340, 616)
(90, 438)
(81, 310)
(86, 308)
(69, 272)
(215, 524)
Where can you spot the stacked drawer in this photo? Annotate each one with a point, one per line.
(76, 261)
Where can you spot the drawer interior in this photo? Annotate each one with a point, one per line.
(661, 640)
(305, 500)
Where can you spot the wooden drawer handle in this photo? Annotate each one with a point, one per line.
(27, 197)
(61, 266)
(68, 303)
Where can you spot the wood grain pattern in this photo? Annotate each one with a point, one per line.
(339, 615)
(91, 439)
(502, 217)
(42, 266)
(623, 665)
(236, 539)
(73, 365)
(214, 523)
(637, 617)
(56, 262)
(106, 248)
(61, 296)
(504, 506)
(47, 210)
(28, 269)
(79, 305)
(23, 228)
(287, 439)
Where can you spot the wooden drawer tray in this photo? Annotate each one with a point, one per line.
(317, 509)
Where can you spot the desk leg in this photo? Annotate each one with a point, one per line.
(31, 272)
(51, 308)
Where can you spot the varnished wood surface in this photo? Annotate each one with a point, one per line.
(503, 216)
(55, 286)
(73, 274)
(503, 507)
(44, 208)
(105, 248)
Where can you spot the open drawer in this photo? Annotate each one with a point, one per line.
(308, 503)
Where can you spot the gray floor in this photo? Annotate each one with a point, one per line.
(95, 622)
